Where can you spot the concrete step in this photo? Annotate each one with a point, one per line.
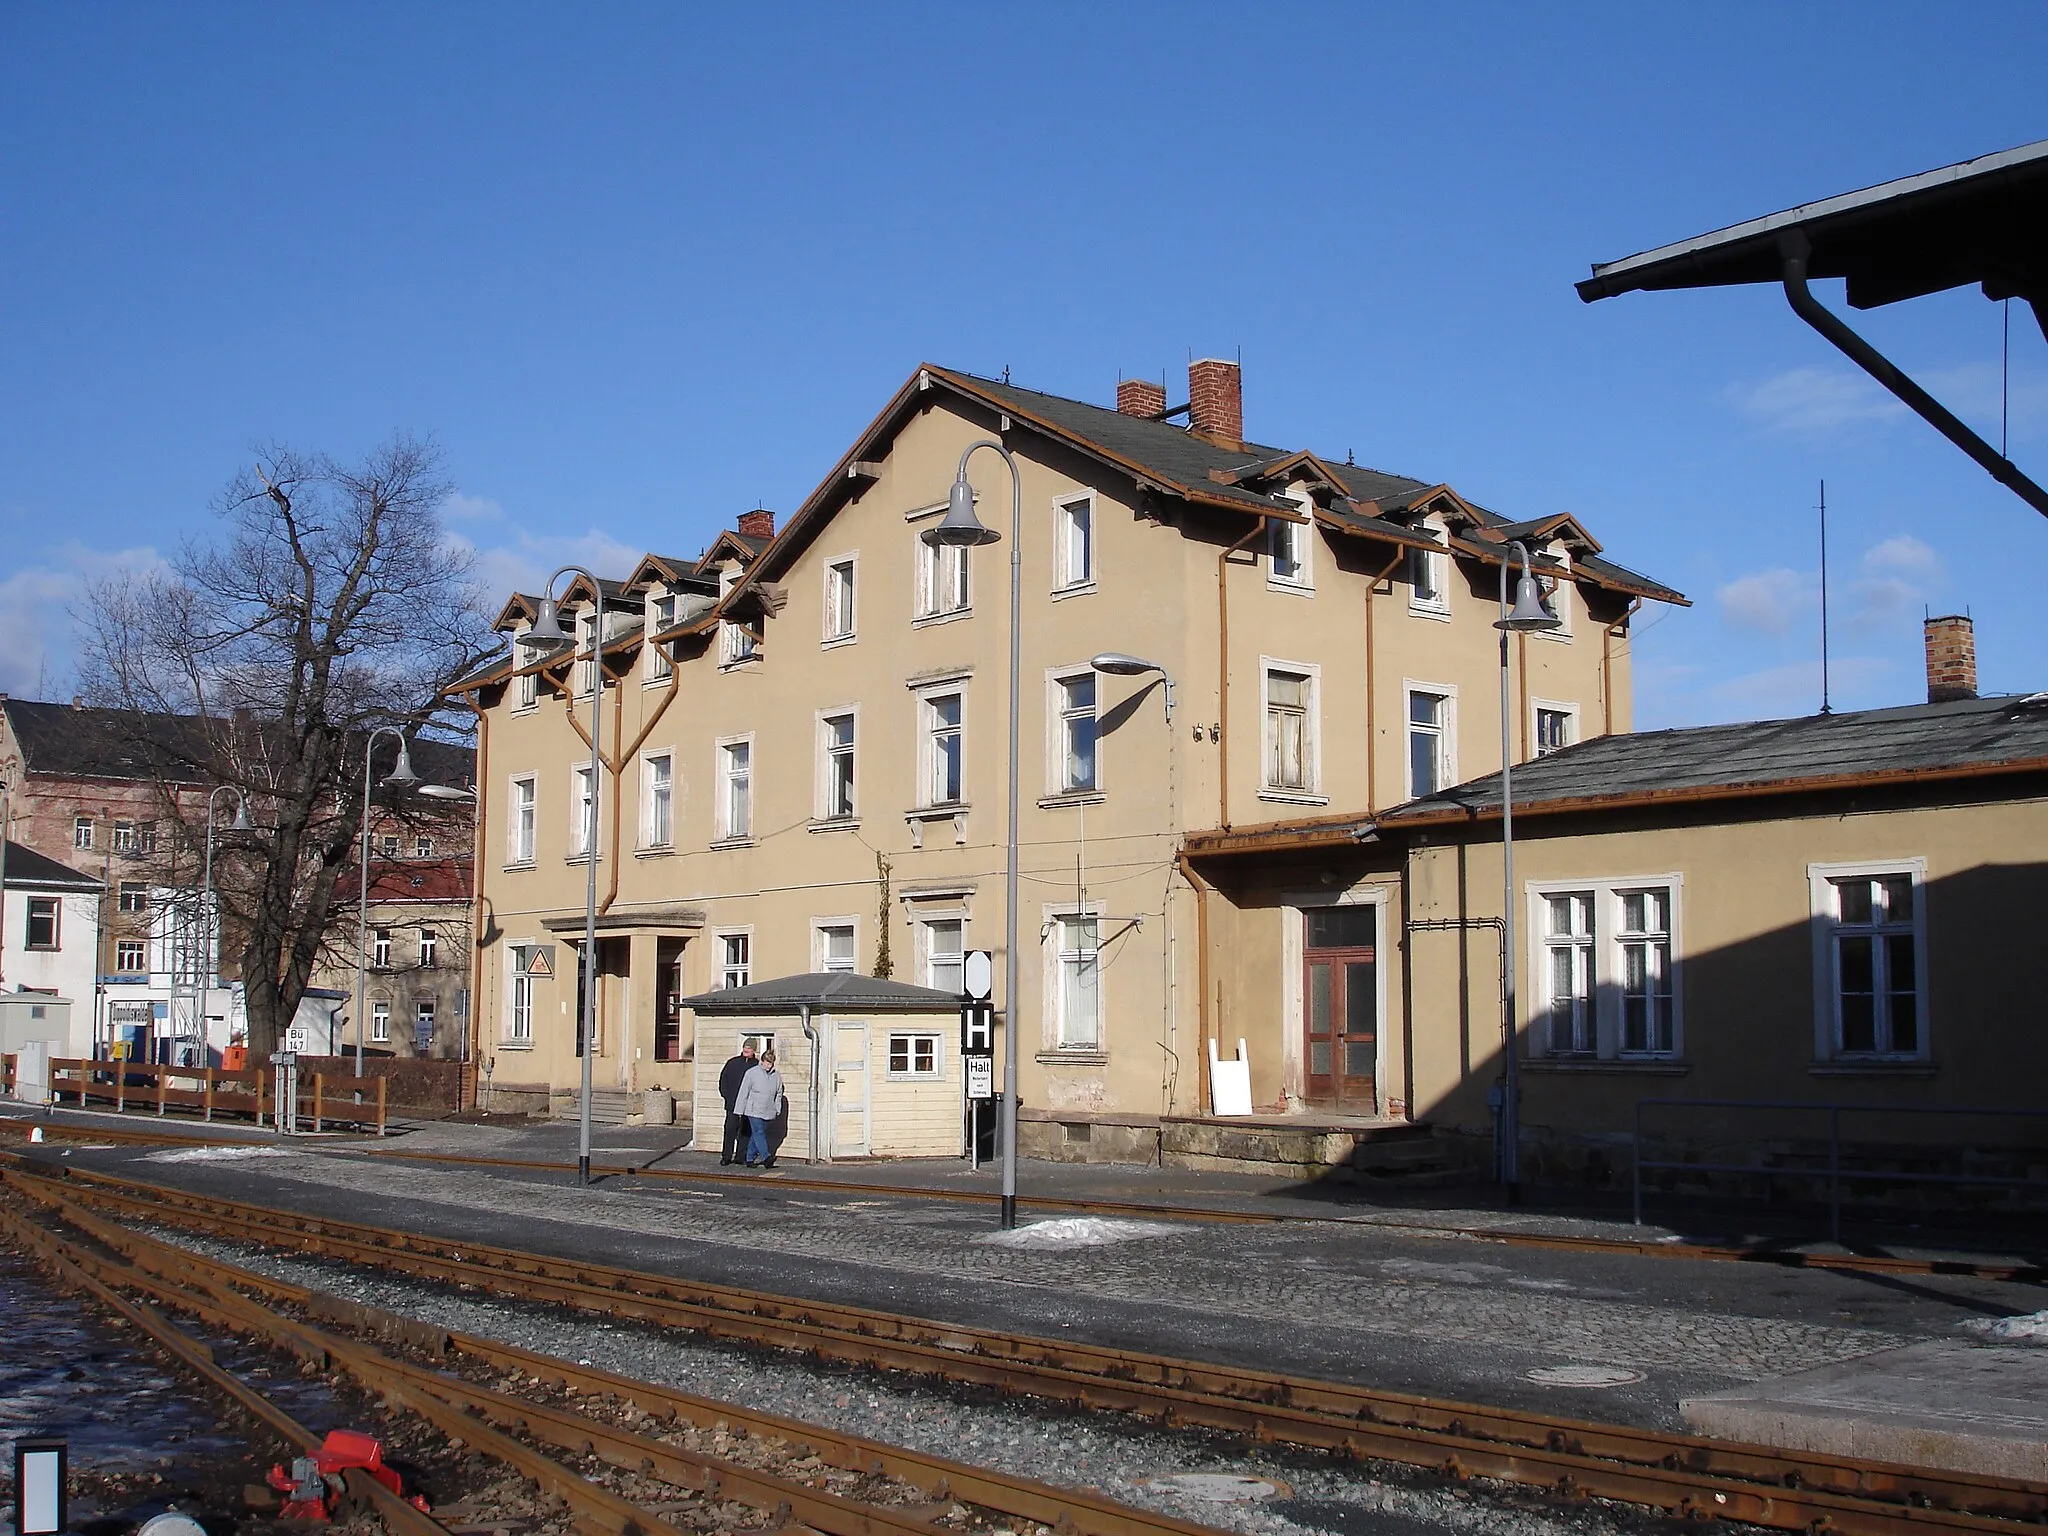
(608, 1106)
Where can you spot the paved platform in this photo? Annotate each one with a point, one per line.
(1943, 1403)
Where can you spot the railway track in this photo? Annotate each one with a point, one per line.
(532, 1435)
(1679, 1474)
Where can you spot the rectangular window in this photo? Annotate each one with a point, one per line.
(131, 957)
(134, 896)
(380, 948)
(519, 830)
(1568, 973)
(124, 837)
(736, 789)
(1075, 697)
(835, 947)
(736, 643)
(380, 1020)
(942, 581)
(1428, 742)
(1080, 987)
(735, 960)
(42, 922)
(945, 745)
(423, 1027)
(145, 837)
(586, 635)
(387, 845)
(838, 748)
(1074, 543)
(519, 1020)
(1290, 725)
(81, 833)
(1645, 939)
(1287, 547)
(526, 686)
(943, 939)
(657, 780)
(582, 812)
(423, 847)
(1873, 943)
(914, 1055)
(430, 944)
(1554, 728)
(661, 615)
(1428, 581)
(839, 616)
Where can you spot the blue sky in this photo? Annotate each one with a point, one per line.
(641, 268)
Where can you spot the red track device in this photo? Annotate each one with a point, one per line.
(314, 1486)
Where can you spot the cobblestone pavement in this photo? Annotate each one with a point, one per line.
(1232, 1272)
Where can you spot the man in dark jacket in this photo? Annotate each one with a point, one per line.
(729, 1082)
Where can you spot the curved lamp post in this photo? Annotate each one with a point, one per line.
(961, 529)
(546, 629)
(1528, 616)
(209, 956)
(1121, 664)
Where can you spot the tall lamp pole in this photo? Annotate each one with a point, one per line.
(209, 954)
(961, 529)
(547, 629)
(400, 777)
(1529, 616)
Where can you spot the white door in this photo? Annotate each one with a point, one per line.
(32, 1072)
(850, 1091)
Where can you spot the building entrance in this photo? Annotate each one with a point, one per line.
(1340, 1006)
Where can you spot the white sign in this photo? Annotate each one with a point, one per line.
(298, 1038)
(981, 1077)
(977, 973)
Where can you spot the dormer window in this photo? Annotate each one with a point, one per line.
(526, 686)
(661, 615)
(1429, 577)
(586, 669)
(1290, 552)
(736, 644)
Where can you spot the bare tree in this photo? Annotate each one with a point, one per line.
(330, 603)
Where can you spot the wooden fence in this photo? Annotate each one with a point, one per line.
(324, 1099)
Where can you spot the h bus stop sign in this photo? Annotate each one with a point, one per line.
(978, 1023)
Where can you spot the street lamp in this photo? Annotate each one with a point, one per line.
(1529, 617)
(400, 777)
(209, 952)
(961, 529)
(1119, 664)
(546, 629)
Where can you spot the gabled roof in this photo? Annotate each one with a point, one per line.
(827, 992)
(428, 880)
(675, 572)
(87, 742)
(27, 868)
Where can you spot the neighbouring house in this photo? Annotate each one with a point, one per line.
(1812, 911)
(804, 735)
(417, 981)
(49, 935)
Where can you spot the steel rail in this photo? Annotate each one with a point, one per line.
(172, 1273)
(1677, 1472)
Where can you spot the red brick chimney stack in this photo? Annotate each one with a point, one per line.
(1216, 401)
(757, 525)
(1140, 397)
(1951, 659)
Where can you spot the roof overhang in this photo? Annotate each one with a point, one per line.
(657, 920)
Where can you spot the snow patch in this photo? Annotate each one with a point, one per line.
(212, 1154)
(1077, 1232)
(2028, 1328)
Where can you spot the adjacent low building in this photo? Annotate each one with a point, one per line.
(49, 936)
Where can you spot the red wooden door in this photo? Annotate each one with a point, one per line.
(1340, 1006)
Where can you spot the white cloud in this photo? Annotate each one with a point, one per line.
(1782, 692)
(1895, 576)
(462, 508)
(1814, 402)
(38, 642)
(1768, 602)
(525, 560)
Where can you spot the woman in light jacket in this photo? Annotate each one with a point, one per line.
(760, 1100)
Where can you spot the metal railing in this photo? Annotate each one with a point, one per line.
(1835, 1173)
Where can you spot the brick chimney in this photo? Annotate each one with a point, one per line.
(1951, 659)
(1140, 397)
(1216, 401)
(757, 525)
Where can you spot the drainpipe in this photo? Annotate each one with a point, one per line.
(1202, 889)
(1607, 634)
(1794, 249)
(1223, 679)
(803, 1013)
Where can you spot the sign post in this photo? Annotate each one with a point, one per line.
(978, 1043)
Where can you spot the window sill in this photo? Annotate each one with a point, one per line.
(1875, 1067)
(1424, 611)
(579, 858)
(938, 812)
(834, 642)
(834, 824)
(1072, 1058)
(662, 852)
(656, 682)
(1072, 797)
(744, 841)
(952, 616)
(923, 815)
(1078, 589)
(744, 664)
(1292, 797)
(518, 864)
(515, 1045)
(1291, 588)
(1606, 1066)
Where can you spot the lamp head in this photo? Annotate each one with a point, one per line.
(960, 528)
(547, 624)
(402, 776)
(446, 792)
(1529, 613)
(1119, 664)
(241, 823)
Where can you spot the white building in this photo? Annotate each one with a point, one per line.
(50, 936)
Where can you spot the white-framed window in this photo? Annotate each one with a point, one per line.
(1605, 958)
(526, 685)
(832, 945)
(658, 800)
(44, 917)
(380, 1018)
(1554, 726)
(736, 643)
(586, 633)
(914, 1055)
(81, 833)
(1432, 740)
(519, 994)
(836, 733)
(736, 788)
(944, 941)
(1075, 768)
(942, 743)
(380, 949)
(735, 959)
(423, 1025)
(1870, 925)
(519, 826)
(430, 949)
(387, 845)
(1557, 597)
(839, 598)
(131, 957)
(661, 615)
(1290, 555)
(124, 837)
(1291, 728)
(145, 837)
(1429, 580)
(1073, 542)
(134, 896)
(582, 812)
(945, 583)
(1077, 937)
